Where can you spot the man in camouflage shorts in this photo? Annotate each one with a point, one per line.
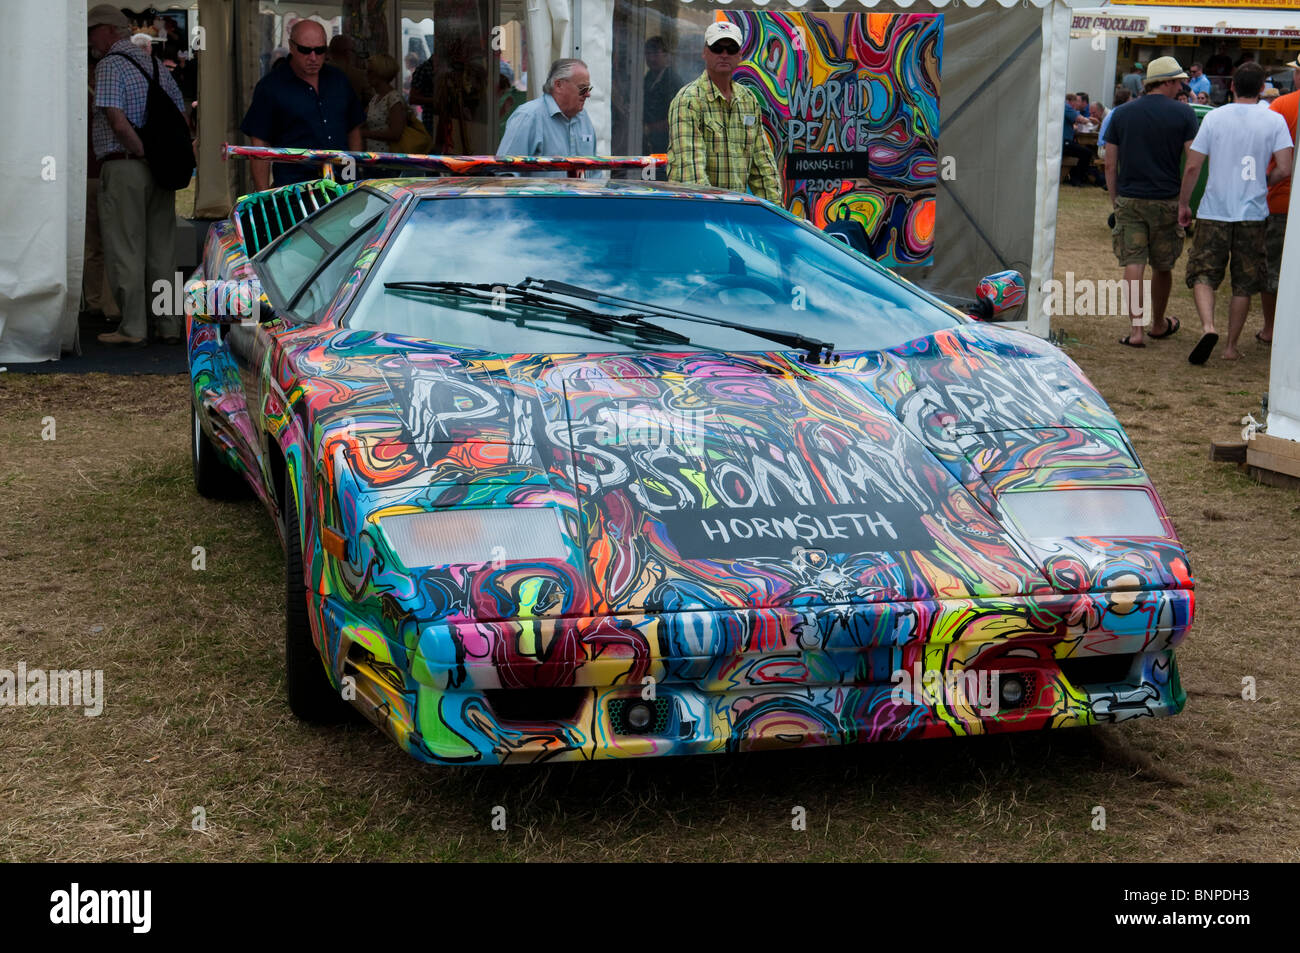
(1241, 141)
(1145, 142)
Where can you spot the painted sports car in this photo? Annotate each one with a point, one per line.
(574, 469)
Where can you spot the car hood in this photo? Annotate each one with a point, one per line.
(712, 481)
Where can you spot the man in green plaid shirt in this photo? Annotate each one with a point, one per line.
(715, 126)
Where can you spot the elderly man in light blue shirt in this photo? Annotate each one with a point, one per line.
(555, 124)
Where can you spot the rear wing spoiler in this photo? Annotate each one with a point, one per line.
(348, 162)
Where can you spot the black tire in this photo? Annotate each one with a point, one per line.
(212, 477)
(311, 696)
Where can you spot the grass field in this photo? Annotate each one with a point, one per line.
(96, 555)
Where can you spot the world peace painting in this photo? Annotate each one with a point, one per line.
(851, 107)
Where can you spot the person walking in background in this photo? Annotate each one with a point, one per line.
(715, 125)
(556, 124)
(308, 105)
(1238, 139)
(1132, 80)
(137, 218)
(1279, 200)
(1198, 81)
(385, 112)
(1145, 143)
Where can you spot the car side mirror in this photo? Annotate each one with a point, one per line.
(223, 301)
(999, 297)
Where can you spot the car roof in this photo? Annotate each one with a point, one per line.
(558, 185)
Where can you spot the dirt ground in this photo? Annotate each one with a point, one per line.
(196, 756)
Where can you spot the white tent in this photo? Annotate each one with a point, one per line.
(42, 177)
(1284, 369)
(1003, 83)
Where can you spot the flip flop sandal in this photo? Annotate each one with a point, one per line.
(1262, 341)
(1127, 343)
(1174, 325)
(1204, 348)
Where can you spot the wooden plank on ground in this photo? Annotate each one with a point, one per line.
(1274, 454)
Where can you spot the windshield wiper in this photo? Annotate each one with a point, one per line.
(482, 291)
(816, 349)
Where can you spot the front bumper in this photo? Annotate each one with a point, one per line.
(559, 689)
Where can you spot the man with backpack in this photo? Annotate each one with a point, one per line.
(137, 213)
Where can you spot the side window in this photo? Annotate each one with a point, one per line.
(305, 268)
(319, 293)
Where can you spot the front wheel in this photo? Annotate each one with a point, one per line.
(212, 477)
(311, 695)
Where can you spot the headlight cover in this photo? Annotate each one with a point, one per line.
(1105, 511)
(497, 535)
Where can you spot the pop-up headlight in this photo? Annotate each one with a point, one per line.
(1110, 511)
(473, 536)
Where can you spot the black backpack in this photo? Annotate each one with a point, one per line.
(165, 135)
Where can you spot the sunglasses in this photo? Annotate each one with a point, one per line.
(583, 90)
(724, 46)
(309, 50)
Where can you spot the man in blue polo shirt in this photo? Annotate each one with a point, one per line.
(310, 105)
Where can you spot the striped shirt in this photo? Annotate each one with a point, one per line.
(120, 85)
(715, 142)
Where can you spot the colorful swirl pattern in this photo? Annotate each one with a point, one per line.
(879, 74)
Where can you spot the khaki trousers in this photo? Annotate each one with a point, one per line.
(95, 293)
(137, 222)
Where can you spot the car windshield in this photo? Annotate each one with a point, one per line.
(738, 262)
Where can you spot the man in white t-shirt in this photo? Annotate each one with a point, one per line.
(1239, 139)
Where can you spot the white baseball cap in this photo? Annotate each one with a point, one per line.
(723, 30)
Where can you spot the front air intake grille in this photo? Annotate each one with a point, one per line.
(1098, 670)
(535, 704)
